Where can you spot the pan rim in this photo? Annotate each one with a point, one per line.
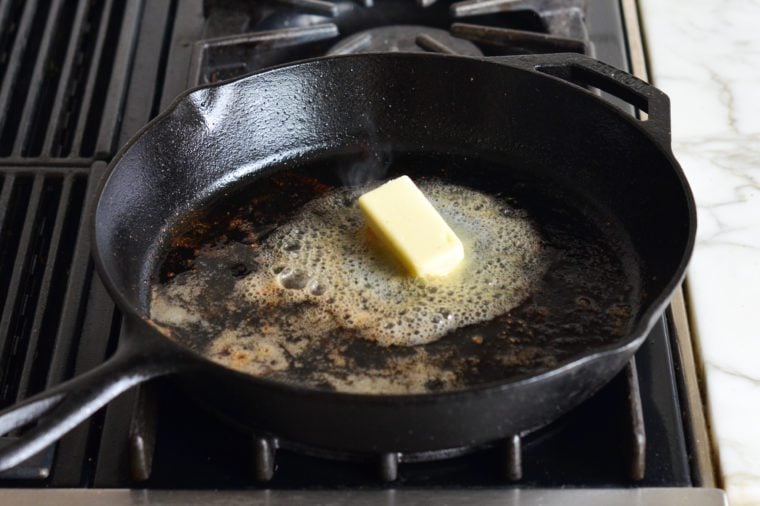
(632, 340)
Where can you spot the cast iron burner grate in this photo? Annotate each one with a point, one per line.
(575, 450)
(79, 78)
(265, 447)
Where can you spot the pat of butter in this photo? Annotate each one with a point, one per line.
(407, 223)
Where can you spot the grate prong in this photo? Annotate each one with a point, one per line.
(638, 431)
(264, 451)
(267, 39)
(513, 447)
(468, 8)
(321, 7)
(432, 44)
(507, 37)
(262, 40)
(388, 466)
(142, 433)
(356, 45)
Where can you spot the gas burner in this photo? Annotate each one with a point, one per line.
(405, 38)
(241, 36)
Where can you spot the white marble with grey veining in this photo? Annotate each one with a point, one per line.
(705, 54)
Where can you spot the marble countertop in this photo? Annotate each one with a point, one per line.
(705, 55)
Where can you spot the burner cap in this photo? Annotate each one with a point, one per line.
(403, 38)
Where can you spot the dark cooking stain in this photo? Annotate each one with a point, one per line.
(587, 298)
(246, 219)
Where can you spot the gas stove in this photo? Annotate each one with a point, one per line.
(79, 78)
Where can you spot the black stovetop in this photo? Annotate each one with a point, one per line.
(78, 78)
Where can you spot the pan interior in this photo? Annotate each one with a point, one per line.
(586, 296)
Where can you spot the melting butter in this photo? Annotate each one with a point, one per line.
(324, 257)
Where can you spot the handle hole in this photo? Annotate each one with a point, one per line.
(597, 83)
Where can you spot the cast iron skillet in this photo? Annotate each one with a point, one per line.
(522, 110)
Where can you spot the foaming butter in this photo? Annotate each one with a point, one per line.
(323, 270)
(411, 229)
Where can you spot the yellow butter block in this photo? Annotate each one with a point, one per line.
(407, 223)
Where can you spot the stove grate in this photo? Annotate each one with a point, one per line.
(41, 212)
(80, 77)
(62, 84)
(241, 38)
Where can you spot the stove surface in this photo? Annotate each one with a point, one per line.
(80, 78)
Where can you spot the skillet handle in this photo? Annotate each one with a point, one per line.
(62, 408)
(584, 71)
